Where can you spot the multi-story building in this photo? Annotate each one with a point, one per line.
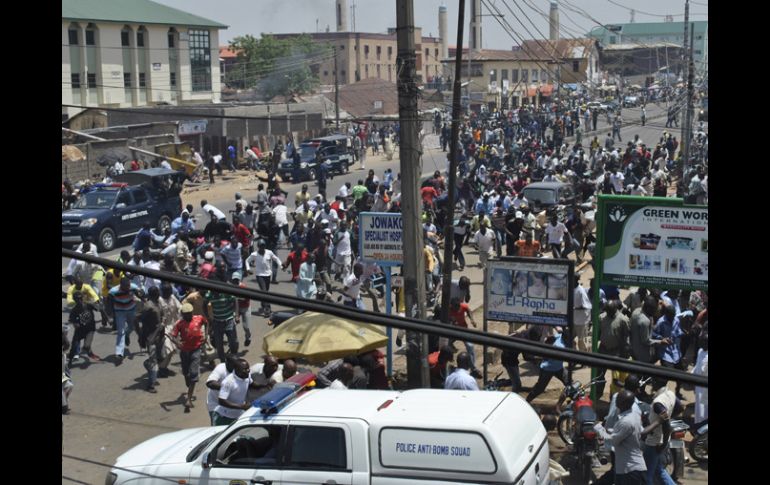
(117, 53)
(650, 33)
(366, 55)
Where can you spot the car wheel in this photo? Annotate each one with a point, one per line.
(311, 174)
(107, 240)
(163, 223)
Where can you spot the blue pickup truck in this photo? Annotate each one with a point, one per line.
(108, 212)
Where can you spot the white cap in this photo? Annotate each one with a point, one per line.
(208, 255)
(519, 215)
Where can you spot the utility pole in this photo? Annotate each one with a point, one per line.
(409, 152)
(688, 114)
(684, 141)
(336, 91)
(454, 157)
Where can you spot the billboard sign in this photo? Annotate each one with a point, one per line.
(654, 244)
(529, 290)
(380, 238)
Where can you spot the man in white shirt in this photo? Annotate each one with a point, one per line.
(328, 214)
(555, 232)
(637, 189)
(344, 190)
(208, 208)
(343, 249)
(262, 260)
(581, 315)
(616, 179)
(485, 240)
(461, 378)
(214, 383)
(352, 289)
(232, 395)
(281, 215)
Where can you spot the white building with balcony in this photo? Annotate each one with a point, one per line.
(118, 54)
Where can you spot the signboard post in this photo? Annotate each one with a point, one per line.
(380, 241)
(529, 290)
(649, 242)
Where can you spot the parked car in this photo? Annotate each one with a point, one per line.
(631, 101)
(596, 105)
(108, 212)
(334, 152)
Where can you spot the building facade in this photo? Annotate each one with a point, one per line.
(657, 32)
(139, 53)
(366, 55)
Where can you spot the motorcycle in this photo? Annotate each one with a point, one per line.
(699, 446)
(576, 426)
(674, 458)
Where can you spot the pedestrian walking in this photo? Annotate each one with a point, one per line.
(189, 335)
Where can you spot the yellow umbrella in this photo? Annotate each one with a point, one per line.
(319, 338)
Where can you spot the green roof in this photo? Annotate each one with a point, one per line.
(131, 11)
(649, 28)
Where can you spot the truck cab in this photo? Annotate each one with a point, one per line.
(106, 213)
(353, 437)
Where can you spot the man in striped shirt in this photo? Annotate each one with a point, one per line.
(124, 307)
(223, 313)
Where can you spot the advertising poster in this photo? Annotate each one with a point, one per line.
(380, 238)
(655, 245)
(529, 290)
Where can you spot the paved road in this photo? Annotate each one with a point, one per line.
(111, 411)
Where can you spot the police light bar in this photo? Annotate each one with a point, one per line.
(283, 393)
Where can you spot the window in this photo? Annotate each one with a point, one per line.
(697, 52)
(343, 72)
(575, 66)
(124, 198)
(492, 76)
(379, 52)
(171, 41)
(698, 37)
(436, 53)
(366, 69)
(390, 52)
(140, 196)
(612, 39)
(503, 74)
(253, 446)
(172, 76)
(342, 47)
(514, 75)
(142, 80)
(534, 75)
(90, 37)
(525, 75)
(140, 39)
(318, 447)
(126, 79)
(326, 73)
(75, 80)
(427, 54)
(366, 52)
(200, 60)
(73, 34)
(544, 76)
(378, 70)
(124, 39)
(91, 79)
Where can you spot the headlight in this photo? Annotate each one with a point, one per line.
(303, 165)
(110, 479)
(88, 222)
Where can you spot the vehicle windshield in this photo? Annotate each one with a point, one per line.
(201, 446)
(307, 151)
(545, 196)
(96, 200)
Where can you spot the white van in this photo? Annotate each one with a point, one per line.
(353, 437)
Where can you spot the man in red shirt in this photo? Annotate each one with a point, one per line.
(241, 232)
(428, 193)
(438, 361)
(295, 259)
(457, 313)
(189, 335)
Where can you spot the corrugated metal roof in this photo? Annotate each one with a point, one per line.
(131, 11)
(650, 28)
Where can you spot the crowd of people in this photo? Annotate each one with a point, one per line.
(500, 153)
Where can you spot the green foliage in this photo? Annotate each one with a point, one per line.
(276, 66)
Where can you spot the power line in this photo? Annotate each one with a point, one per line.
(654, 14)
(410, 324)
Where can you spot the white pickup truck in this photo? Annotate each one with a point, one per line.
(327, 436)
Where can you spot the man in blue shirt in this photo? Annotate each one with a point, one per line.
(549, 368)
(668, 329)
(143, 238)
(461, 378)
(182, 224)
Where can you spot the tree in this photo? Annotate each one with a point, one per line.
(276, 66)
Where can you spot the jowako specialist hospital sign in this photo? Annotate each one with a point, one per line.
(380, 238)
(528, 292)
(649, 245)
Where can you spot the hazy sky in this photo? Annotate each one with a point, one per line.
(281, 16)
